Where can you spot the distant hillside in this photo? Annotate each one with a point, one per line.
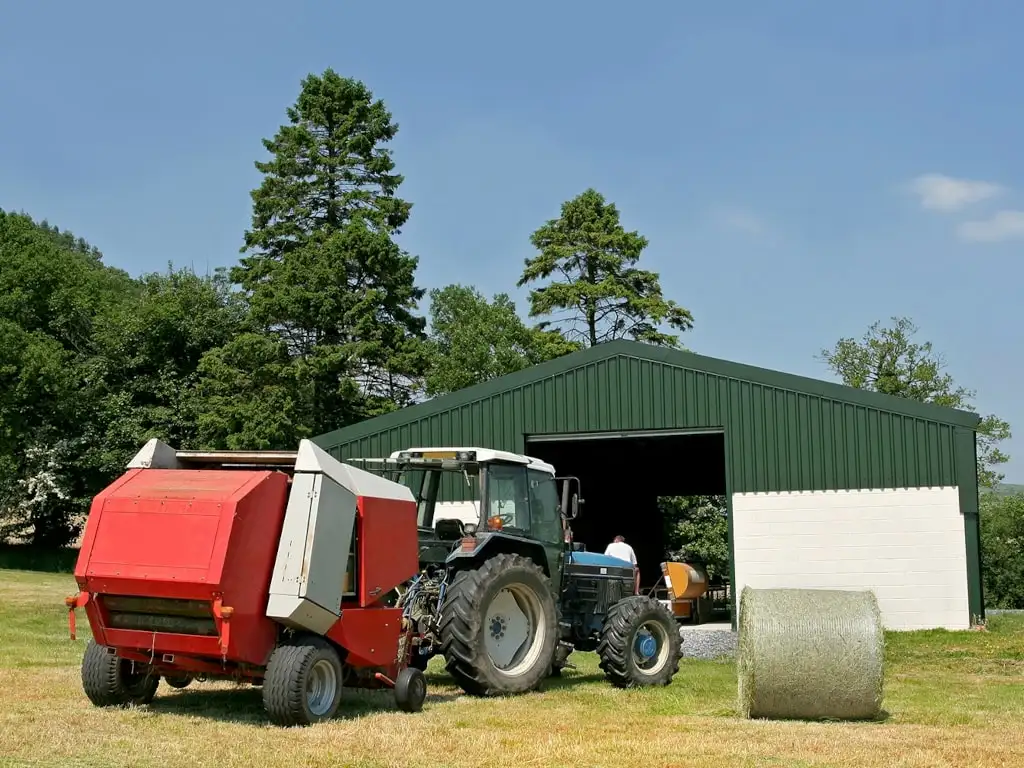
(1009, 489)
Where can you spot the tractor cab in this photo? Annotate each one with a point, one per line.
(468, 496)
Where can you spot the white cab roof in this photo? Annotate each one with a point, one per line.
(484, 455)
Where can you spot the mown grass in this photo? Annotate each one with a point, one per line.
(952, 698)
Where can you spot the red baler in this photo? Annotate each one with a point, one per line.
(274, 568)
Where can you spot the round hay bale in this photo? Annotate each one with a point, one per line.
(810, 654)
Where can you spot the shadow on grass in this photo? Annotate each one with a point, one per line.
(38, 559)
(882, 717)
(245, 703)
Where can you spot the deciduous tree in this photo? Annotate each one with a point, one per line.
(474, 340)
(890, 361)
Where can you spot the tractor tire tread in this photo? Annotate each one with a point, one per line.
(461, 620)
(614, 647)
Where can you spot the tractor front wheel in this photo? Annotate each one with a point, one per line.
(499, 627)
(110, 681)
(639, 644)
(302, 684)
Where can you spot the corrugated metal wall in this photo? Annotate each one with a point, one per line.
(777, 439)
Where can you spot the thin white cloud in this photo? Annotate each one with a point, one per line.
(741, 220)
(937, 192)
(1001, 226)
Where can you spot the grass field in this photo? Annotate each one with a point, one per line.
(953, 699)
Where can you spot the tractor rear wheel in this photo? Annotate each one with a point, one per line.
(639, 644)
(110, 681)
(302, 684)
(499, 627)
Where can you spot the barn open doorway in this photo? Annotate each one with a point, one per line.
(623, 476)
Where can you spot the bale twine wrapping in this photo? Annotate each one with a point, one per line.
(810, 654)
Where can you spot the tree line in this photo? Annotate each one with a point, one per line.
(318, 324)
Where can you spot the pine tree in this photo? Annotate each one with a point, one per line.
(322, 270)
(603, 294)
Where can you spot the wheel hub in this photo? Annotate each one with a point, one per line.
(513, 628)
(321, 687)
(499, 624)
(650, 648)
(646, 645)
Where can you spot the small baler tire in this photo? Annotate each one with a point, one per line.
(103, 680)
(462, 625)
(285, 680)
(410, 689)
(178, 681)
(618, 633)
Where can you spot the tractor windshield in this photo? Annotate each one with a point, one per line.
(508, 496)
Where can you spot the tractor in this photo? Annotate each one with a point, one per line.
(503, 594)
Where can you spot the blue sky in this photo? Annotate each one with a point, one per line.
(800, 168)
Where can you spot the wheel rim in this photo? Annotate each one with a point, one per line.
(650, 648)
(514, 631)
(134, 682)
(321, 687)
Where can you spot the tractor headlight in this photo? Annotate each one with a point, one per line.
(466, 456)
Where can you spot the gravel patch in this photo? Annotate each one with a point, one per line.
(707, 643)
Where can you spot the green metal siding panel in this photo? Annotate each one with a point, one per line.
(779, 439)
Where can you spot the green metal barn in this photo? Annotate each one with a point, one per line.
(826, 486)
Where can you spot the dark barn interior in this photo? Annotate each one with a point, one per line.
(621, 479)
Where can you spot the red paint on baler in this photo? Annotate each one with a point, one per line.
(389, 546)
(187, 534)
(370, 635)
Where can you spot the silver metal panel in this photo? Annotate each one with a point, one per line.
(332, 524)
(155, 454)
(291, 547)
(313, 553)
(299, 613)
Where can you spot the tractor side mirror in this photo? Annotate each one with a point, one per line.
(574, 508)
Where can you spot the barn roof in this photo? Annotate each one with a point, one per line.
(666, 356)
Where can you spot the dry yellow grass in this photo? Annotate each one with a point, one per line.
(954, 699)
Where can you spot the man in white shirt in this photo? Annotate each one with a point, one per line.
(620, 549)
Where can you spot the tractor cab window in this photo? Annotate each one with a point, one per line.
(508, 496)
(426, 497)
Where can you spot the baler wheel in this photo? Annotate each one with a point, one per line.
(410, 690)
(110, 681)
(178, 681)
(499, 627)
(639, 644)
(302, 684)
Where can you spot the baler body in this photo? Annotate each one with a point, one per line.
(205, 571)
(166, 550)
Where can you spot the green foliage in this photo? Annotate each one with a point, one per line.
(697, 527)
(92, 363)
(598, 294)
(889, 361)
(1002, 549)
(323, 275)
(474, 340)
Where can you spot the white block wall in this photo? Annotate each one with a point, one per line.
(907, 545)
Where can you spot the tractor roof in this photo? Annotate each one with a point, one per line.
(469, 454)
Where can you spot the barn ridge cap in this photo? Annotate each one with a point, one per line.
(678, 358)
